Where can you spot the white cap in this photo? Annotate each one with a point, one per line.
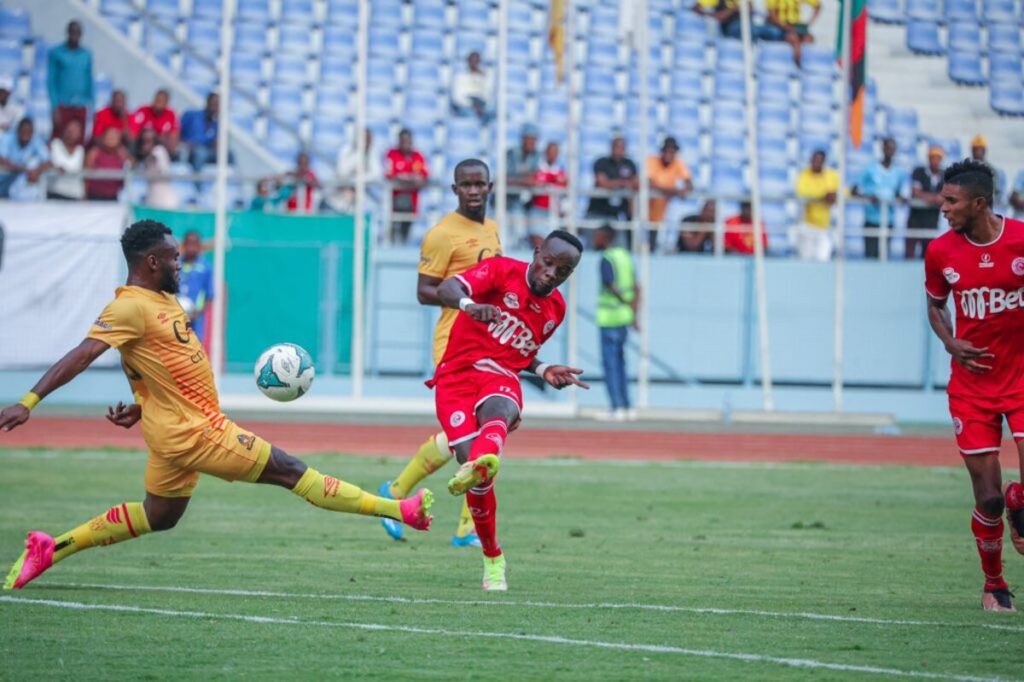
(6, 83)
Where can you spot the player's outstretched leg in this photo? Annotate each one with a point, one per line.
(121, 522)
(987, 527)
(332, 493)
(1013, 493)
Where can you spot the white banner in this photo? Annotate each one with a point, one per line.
(59, 265)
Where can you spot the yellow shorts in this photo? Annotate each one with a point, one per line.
(229, 453)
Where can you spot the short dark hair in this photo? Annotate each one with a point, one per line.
(976, 177)
(140, 238)
(607, 230)
(570, 239)
(471, 163)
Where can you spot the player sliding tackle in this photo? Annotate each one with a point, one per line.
(182, 424)
(510, 308)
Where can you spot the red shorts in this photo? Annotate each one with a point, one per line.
(459, 393)
(978, 422)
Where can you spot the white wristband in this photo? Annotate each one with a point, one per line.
(465, 302)
(541, 368)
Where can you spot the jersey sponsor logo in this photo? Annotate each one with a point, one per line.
(1018, 266)
(457, 419)
(986, 261)
(510, 330)
(511, 300)
(485, 254)
(548, 326)
(981, 302)
(101, 324)
(247, 439)
(958, 425)
(951, 275)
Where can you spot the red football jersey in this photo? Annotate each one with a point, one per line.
(508, 344)
(987, 281)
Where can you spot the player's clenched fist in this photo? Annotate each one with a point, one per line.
(483, 312)
(123, 415)
(969, 356)
(13, 416)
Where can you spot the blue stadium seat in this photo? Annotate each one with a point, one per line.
(343, 14)
(119, 8)
(386, 13)
(817, 59)
(727, 179)
(466, 43)
(519, 48)
(380, 73)
(384, 43)
(206, 9)
(602, 51)
(604, 20)
(634, 112)
(966, 68)
(10, 56)
(330, 135)
(380, 104)
(293, 39)
(201, 74)
(729, 55)
(286, 101)
(775, 184)
(729, 118)
(730, 85)
(1004, 68)
(684, 117)
(772, 152)
(886, 11)
(162, 45)
(290, 68)
(690, 56)
(203, 36)
(728, 147)
(429, 14)
(1004, 38)
(14, 24)
(251, 37)
(773, 87)
(927, 10)
(475, 16)
(167, 11)
(1007, 98)
(923, 37)
(817, 90)
(424, 75)
(964, 36)
(298, 12)
(246, 70)
(521, 18)
(950, 145)
(690, 27)
(554, 112)
(653, 83)
(339, 40)
(282, 142)
(334, 102)
(336, 71)
(773, 121)
(812, 142)
(902, 124)
(423, 108)
(428, 45)
(519, 82)
(995, 11)
(599, 81)
(256, 11)
(775, 58)
(961, 10)
(816, 119)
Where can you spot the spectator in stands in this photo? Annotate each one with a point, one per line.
(343, 199)
(785, 23)
(160, 117)
(109, 155)
(114, 115)
(550, 173)
(10, 111)
(23, 159)
(196, 291)
(1017, 197)
(882, 181)
(669, 178)
(925, 188)
(697, 233)
(268, 195)
(979, 150)
(67, 154)
(199, 132)
(615, 172)
(817, 186)
(69, 80)
(471, 90)
(303, 188)
(155, 164)
(617, 302)
(408, 172)
(521, 164)
(725, 12)
(739, 232)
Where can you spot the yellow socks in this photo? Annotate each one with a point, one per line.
(431, 456)
(331, 493)
(466, 525)
(121, 522)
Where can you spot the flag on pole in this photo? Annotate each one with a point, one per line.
(858, 64)
(556, 35)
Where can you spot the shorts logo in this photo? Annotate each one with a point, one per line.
(951, 275)
(457, 419)
(958, 426)
(1018, 266)
(247, 439)
(986, 261)
(511, 300)
(549, 326)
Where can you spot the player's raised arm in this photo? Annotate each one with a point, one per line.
(63, 371)
(454, 294)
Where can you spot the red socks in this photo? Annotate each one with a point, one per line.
(988, 534)
(484, 507)
(490, 440)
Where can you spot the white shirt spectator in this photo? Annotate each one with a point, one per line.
(469, 86)
(161, 192)
(10, 114)
(343, 199)
(69, 183)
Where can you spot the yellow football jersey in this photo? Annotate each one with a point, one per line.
(160, 352)
(450, 248)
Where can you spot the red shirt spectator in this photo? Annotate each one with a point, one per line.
(161, 118)
(304, 185)
(549, 172)
(113, 116)
(739, 233)
(408, 166)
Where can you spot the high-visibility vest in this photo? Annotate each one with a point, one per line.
(611, 312)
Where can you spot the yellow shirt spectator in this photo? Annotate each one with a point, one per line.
(673, 175)
(788, 11)
(813, 188)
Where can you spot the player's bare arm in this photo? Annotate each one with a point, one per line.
(426, 289)
(558, 376)
(453, 294)
(961, 349)
(64, 370)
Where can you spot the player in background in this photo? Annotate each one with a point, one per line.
(460, 240)
(981, 262)
(182, 424)
(509, 309)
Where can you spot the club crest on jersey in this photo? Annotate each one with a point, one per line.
(548, 326)
(534, 307)
(1018, 266)
(986, 261)
(457, 419)
(511, 300)
(951, 275)
(958, 426)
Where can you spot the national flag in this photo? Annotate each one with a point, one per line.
(858, 64)
(556, 35)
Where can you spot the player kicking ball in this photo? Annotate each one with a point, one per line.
(981, 262)
(509, 309)
(182, 424)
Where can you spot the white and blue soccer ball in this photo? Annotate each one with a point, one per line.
(284, 372)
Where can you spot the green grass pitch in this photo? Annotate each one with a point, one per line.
(749, 557)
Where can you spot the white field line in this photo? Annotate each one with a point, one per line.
(804, 663)
(797, 615)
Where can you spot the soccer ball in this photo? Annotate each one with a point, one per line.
(284, 372)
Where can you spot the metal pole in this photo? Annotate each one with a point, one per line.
(220, 193)
(755, 191)
(571, 154)
(643, 52)
(359, 239)
(501, 129)
(840, 233)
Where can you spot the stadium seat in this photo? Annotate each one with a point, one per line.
(690, 27)
(286, 101)
(206, 9)
(727, 179)
(293, 39)
(961, 10)
(690, 56)
(387, 13)
(926, 10)
(282, 142)
(728, 147)
(120, 8)
(466, 43)
(424, 75)
(250, 37)
(729, 118)
(339, 40)
(429, 14)
(333, 101)
(772, 152)
(817, 90)
(730, 85)
(162, 45)
(244, 111)
(380, 104)
(299, 12)
(966, 68)
(773, 121)
(380, 73)
(14, 24)
(343, 14)
(10, 56)
(886, 11)
(427, 44)
(653, 83)
(996, 11)
(291, 68)
(166, 11)
(964, 36)
(256, 11)
(1004, 38)
(201, 74)
(775, 58)
(1004, 69)
(729, 55)
(336, 71)
(554, 112)
(203, 36)
(923, 37)
(599, 81)
(519, 81)
(1007, 99)
(475, 16)
(684, 117)
(604, 20)
(519, 48)
(816, 119)
(817, 59)
(773, 87)
(423, 108)
(384, 43)
(522, 18)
